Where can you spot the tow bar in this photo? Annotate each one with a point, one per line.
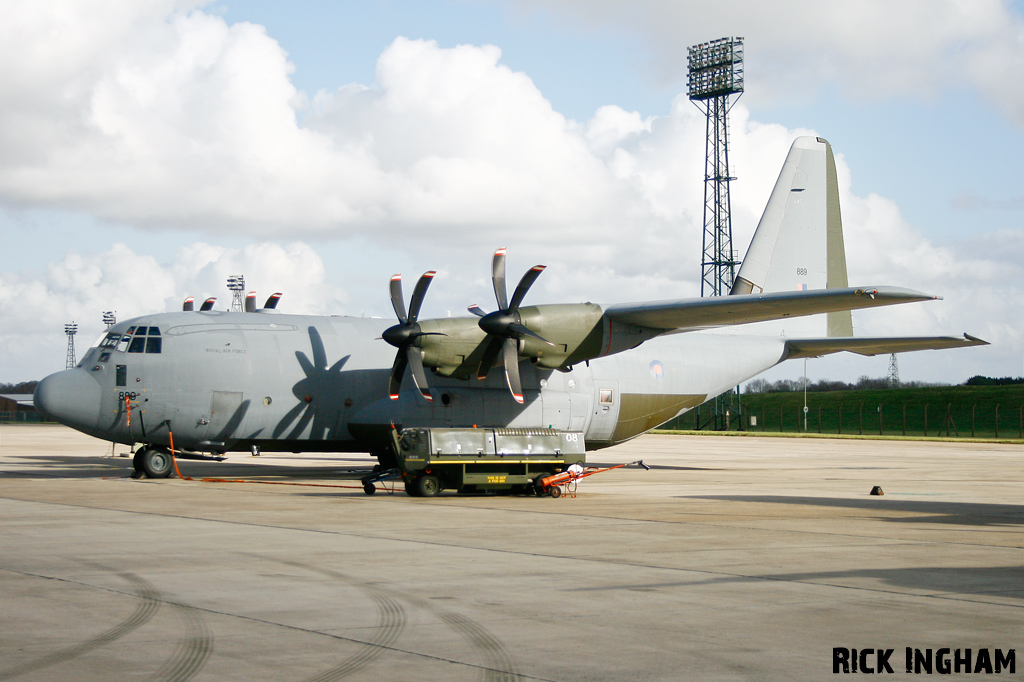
(554, 483)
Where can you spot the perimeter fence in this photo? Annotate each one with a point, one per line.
(953, 412)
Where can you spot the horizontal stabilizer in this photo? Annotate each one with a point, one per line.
(813, 348)
(722, 311)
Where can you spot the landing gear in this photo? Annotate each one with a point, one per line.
(154, 462)
(369, 488)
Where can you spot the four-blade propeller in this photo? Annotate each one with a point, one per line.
(504, 326)
(405, 336)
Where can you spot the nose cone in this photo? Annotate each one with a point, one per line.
(71, 397)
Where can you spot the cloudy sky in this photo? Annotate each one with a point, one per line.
(151, 148)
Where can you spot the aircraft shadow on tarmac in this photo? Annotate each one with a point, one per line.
(925, 511)
(78, 466)
(934, 581)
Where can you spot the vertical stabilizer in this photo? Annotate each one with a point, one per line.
(798, 245)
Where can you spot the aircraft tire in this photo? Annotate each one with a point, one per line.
(369, 488)
(156, 463)
(428, 486)
(410, 489)
(137, 460)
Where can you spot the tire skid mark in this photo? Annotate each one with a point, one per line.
(501, 667)
(390, 624)
(145, 611)
(191, 652)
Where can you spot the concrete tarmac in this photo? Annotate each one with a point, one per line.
(731, 559)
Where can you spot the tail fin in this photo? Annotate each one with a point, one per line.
(799, 242)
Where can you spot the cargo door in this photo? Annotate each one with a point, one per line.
(556, 409)
(226, 414)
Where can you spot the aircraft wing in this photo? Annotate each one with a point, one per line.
(723, 311)
(813, 348)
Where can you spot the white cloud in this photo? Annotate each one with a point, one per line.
(34, 307)
(869, 48)
(169, 117)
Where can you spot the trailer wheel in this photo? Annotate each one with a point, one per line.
(369, 488)
(555, 491)
(156, 463)
(428, 486)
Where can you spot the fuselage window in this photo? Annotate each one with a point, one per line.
(110, 341)
(104, 356)
(607, 396)
(138, 345)
(154, 331)
(153, 344)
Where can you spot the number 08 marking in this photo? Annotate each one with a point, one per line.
(572, 437)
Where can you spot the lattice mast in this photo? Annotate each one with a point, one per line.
(236, 284)
(71, 330)
(715, 83)
(894, 372)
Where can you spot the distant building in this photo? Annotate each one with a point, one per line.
(17, 407)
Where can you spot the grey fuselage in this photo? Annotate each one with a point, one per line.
(224, 381)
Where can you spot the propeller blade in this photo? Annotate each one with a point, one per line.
(498, 278)
(476, 310)
(523, 330)
(418, 293)
(511, 348)
(490, 355)
(271, 303)
(397, 372)
(419, 377)
(189, 304)
(524, 285)
(208, 304)
(250, 302)
(397, 300)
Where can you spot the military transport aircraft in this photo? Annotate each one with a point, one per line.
(233, 381)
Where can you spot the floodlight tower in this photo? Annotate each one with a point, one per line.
(894, 372)
(110, 318)
(715, 77)
(71, 330)
(236, 283)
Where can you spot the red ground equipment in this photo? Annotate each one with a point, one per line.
(554, 483)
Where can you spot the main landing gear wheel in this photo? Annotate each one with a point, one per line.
(137, 461)
(428, 486)
(155, 462)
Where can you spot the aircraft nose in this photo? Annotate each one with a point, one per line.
(71, 397)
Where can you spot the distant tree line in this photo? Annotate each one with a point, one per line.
(865, 382)
(826, 385)
(24, 387)
(992, 381)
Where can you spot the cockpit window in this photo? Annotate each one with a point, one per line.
(135, 340)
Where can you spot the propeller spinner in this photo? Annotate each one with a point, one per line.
(504, 326)
(405, 336)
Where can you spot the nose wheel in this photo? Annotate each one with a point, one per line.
(154, 462)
